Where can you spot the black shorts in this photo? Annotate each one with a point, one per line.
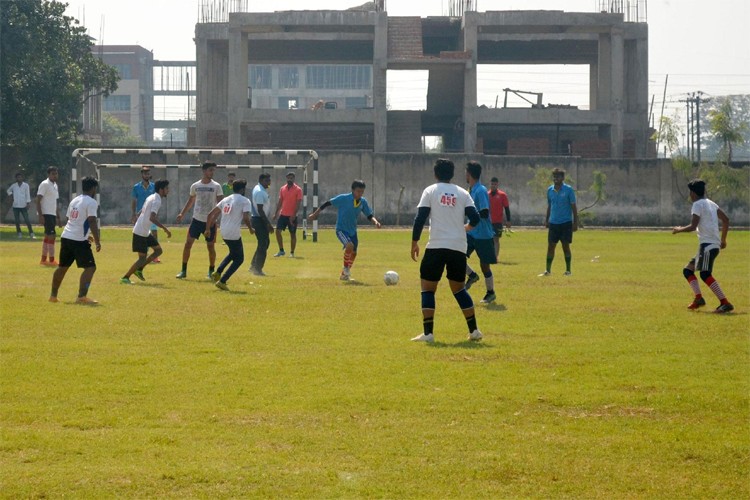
(50, 221)
(498, 227)
(485, 249)
(78, 251)
(704, 259)
(560, 232)
(197, 228)
(286, 222)
(435, 260)
(141, 244)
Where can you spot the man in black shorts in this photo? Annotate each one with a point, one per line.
(561, 219)
(49, 214)
(446, 205)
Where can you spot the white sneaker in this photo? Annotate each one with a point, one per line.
(346, 274)
(291, 255)
(476, 335)
(430, 338)
(545, 273)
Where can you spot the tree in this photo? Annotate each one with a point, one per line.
(712, 145)
(668, 134)
(725, 128)
(47, 68)
(116, 133)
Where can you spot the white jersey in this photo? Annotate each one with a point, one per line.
(151, 205)
(233, 208)
(708, 226)
(80, 209)
(205, 198)
(447, 203)
(48, 191)
(20, 194)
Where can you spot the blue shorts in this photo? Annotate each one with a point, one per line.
(485, 249)
(197, 228)
(346, 238)
(286, 222)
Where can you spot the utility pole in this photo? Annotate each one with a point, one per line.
(693, 102)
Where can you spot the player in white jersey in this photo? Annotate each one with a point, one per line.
(234, 211)
(446, 205)
(143, 239)
(49, 214)
(204, 194)
(705, 219)
(75, 244)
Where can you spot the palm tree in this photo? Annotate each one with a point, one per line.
(720, 123)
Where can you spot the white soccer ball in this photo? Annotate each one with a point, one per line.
(391, 278)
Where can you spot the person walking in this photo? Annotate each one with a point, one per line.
(561, 219)
(21, 195)
(261, 224)
(290, 199)
(479, 239)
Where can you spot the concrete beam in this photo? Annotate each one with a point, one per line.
(326, 18)
(310, 36)
(546, 18)
(531, 116)
(280, 116)
(538, 37)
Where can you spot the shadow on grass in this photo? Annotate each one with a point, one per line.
(464, 344)
(355, 283)
(154, 285)
(506, 263)
(495, 307)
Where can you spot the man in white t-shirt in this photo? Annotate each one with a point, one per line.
(705, 219)
(204, 194)
(143, 238)
(21, 195)
(446, 205)
(49, 215)
(74, 242)
(234, 210)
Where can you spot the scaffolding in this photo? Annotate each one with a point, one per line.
(217, 11)
(633, 11)
(456, 8)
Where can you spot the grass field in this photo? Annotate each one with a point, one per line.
(298, 385)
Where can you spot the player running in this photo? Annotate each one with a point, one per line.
(481, 237)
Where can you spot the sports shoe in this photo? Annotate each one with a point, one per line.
(291, 255)
(696, 303)
(32, 236)
(567, 273)
(125, 281)
(19, 235)
(545, 273)
(215, 276)
(471, 280)
(221, 286)
(476, 335)
(139, 274)
(53, 299)
(86, 301)
(280, 253)
(346, 274)
(422, 337)
(257, 272)
(490, 297)
(181, 275)
(724, 308)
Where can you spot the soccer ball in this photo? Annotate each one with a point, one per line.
(391, 278)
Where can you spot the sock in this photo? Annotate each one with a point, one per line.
(184, 267)
(470, 272)
(51, 248)
(471, 322)
(714, 286)
(489, 282)
(210, 269)
(427, 324)
(695, 286)
(567, 262)
(549, 263)
(348, 258)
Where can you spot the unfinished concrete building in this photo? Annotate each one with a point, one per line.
(317, 79)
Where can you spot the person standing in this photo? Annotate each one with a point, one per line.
(142, 190)
(234, 210)
(49, 214)
(21, 195)
(561, 219)
(74, 242)
(498, 203)
(143, 238)
(446, 205)
(705, 219)
(480, 238)
(260, 223)
(290, 199)
(204, 194)
(226, 188)
(349, 206)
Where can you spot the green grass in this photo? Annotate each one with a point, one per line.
(298, 385)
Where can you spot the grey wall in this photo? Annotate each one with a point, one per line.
(639, 192)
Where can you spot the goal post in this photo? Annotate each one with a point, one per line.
(311, 156)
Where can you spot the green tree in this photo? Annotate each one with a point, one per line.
(668, 135)
(47, 68)
(116, 133)
(726, 128)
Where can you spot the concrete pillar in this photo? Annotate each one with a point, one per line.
(379, 82)
(202, 86)
(617, 103)
(470, 22)
(639, 79)
(666, 203)
(237, 84)
(604, 66)
(593, 86)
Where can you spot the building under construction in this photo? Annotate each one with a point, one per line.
(317, 79)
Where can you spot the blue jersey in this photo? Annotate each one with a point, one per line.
(346, 219)
(559, 203)
(140, 194)
(259, 196)
(484, 230)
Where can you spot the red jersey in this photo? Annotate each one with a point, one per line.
(288, 198)
(498, 202)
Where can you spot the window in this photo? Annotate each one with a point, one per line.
(288, 77)
(340, 76)
(124, 71)
(356, 102)
(260, 77)
(288, 103)
(117, 103)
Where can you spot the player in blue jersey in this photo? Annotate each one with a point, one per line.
(480, 238)
(349, 206)
(561, 219)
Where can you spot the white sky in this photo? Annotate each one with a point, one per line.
(702, 45)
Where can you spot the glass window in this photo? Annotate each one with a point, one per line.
(124, 71)
(356, 102)
(288, 103)
(117, 103)
(260, 77)
(340, 76)
(288, 77)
